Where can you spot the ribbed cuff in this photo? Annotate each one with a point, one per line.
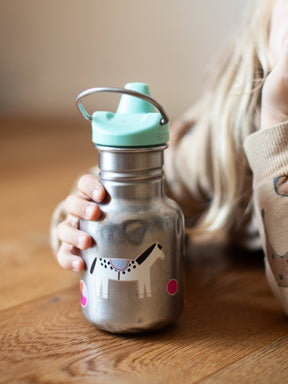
(267, 152)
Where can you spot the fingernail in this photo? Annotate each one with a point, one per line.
(76, 265)
(81, 241)
(96, 194)
(89, 210)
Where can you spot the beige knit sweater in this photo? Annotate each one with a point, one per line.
(188, 172)
(267, 153)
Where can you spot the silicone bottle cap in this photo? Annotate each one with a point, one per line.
(135, 124)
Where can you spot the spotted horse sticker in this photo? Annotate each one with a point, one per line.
(137, 270)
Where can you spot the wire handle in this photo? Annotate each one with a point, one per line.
(164, 120)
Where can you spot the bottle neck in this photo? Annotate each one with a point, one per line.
(132, 173)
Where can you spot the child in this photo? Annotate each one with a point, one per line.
(227, 165)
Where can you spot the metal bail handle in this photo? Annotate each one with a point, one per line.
(129, 92)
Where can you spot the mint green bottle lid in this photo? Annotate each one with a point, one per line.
(136, 123)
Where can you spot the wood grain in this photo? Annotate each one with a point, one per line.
(232, 329)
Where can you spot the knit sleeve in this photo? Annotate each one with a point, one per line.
(267, 153)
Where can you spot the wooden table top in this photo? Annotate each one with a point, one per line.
(232, 329)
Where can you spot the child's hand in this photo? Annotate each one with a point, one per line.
(274, 108)
(82, 204)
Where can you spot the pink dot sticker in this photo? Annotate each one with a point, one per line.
(172, 287)
(84, 293)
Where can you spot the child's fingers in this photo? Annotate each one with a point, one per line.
(68, 233)
(274, 108)
(283, 59)
(78, 206)
(68, 258)
(90, 186)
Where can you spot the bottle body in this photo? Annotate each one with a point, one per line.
(134, 276)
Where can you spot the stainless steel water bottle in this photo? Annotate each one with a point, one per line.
(134, 277)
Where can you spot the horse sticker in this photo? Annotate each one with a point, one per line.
(123, 270)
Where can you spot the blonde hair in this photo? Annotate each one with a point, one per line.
(233, 98)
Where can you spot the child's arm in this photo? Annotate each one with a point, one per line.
(184, 186)
(267, 152)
